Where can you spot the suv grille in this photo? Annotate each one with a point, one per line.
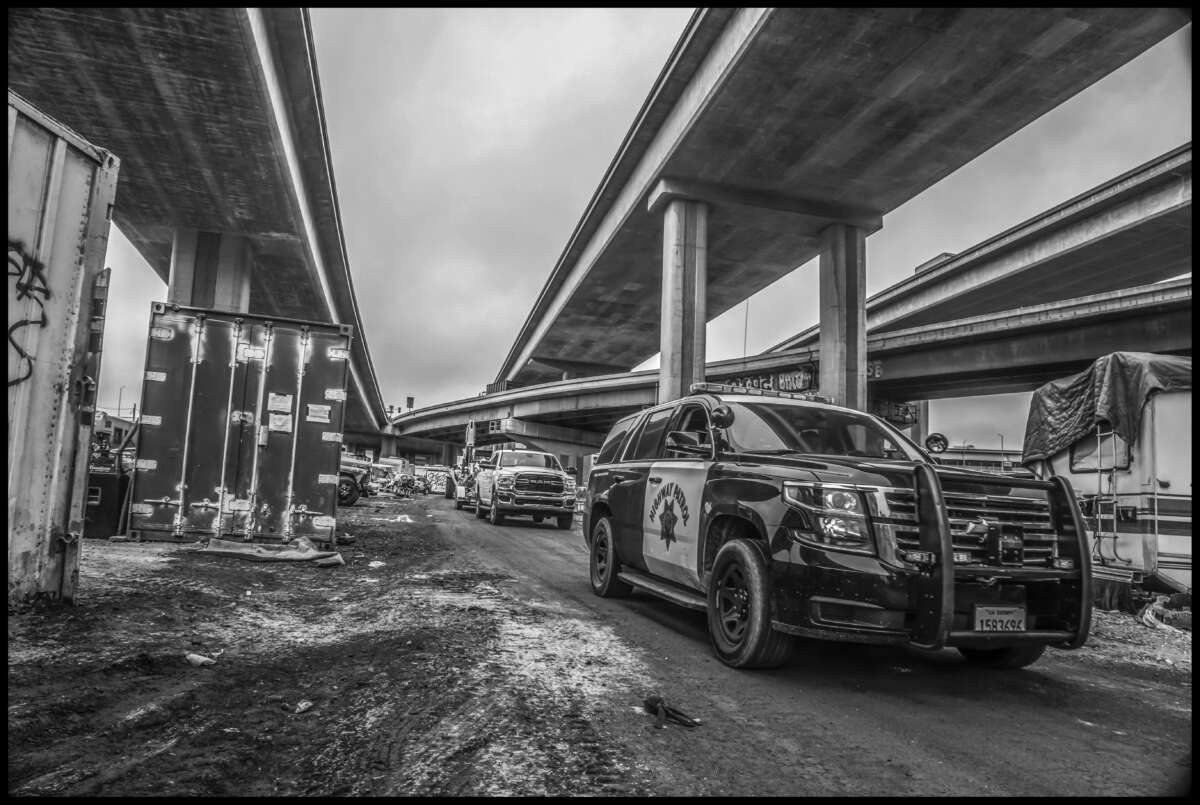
(529, 482)
(1030, 515)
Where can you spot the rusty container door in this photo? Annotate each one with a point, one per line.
(241, 427)
(60, 196)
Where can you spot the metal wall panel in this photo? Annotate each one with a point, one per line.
(60, 195)
(242, 422)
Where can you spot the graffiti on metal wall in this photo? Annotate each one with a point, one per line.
(30, 275)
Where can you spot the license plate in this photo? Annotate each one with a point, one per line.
(999, 619)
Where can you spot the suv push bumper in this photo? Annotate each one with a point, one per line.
(857, 599)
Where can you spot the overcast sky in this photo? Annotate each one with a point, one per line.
(467, 142)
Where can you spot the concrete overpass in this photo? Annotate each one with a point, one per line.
(226, 187)
(1134, 228)
(773, 136)
(1017, 350)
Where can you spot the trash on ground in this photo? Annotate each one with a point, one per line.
(303, 707)
(330, 561)
(199, 659)
(376, 563)
(300, 549)
(664, 712)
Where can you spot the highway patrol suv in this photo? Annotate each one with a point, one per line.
(780, 515)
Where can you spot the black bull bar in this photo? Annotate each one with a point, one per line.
(935, 584)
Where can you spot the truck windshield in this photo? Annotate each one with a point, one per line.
(520, 459)
(781, 428)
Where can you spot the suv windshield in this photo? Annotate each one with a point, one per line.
(518, 459)
(781, 428)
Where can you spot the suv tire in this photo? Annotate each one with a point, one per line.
(1003, 658)
(739, 609)
(565, 521)
(495, 516)
(603, 563)
(347, 491)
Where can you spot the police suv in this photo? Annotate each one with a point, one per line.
(781, 515)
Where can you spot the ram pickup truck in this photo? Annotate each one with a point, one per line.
(782, 516)
(524, 482)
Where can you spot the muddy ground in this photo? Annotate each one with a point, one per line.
(411, 670)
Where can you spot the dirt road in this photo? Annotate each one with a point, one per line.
(450, 656)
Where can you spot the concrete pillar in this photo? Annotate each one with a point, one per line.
(211, 270)
(920, 428)
(684, 288)
(843, 283)
(447, 455)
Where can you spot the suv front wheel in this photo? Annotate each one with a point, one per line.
(495, 516)
(739, 617)
(604, 564)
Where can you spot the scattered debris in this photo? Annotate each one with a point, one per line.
(664, 712)
(376, 563)
(330, 561)
(303, 707)
(199, 659)
(300, 549)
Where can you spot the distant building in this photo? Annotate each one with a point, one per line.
(1006, 462)
(111, 428)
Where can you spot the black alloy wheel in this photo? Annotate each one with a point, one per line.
(603, 564)
(739, 617)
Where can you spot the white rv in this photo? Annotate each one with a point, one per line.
(1121, 432)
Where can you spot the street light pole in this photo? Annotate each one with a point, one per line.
(1001, 435)
(120, 391)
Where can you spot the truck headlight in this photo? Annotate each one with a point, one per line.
(569, 485)
(504, 482)
(836, 517)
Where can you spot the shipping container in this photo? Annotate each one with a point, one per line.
(60, 196)
(241, 427)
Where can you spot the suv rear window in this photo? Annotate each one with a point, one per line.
(608, 453)
(644, 444)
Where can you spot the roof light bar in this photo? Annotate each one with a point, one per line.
(723, 388)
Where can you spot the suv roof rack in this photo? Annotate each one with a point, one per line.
(723, 388)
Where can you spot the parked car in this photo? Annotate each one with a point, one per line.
(781, 516)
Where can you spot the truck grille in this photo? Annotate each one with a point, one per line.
(1030, 515)
(528, 482)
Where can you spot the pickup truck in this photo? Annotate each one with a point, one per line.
(524, 482)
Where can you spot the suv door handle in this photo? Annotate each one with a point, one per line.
(654, 479)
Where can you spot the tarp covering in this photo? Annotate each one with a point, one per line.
(1113, 390)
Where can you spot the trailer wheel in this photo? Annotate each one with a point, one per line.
(1007, 659)
(347, 492)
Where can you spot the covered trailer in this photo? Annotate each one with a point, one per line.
(241, 427)
(1121, 433)
(60, 196)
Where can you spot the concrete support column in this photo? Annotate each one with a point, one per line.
(920, 428)
(210, 269)
(843, 283)
(447, 455)
(684, 289)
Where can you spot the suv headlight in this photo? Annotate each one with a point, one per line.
(504, 482)
(837, 517)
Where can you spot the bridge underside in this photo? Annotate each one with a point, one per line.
(993, 354)
(828, 115)
(188, 101)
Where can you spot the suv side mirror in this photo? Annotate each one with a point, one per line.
(722, 416)
(686, 442)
